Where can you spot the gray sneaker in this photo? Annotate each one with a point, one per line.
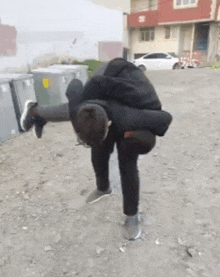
(29, 120)
(132, 227)
(97, 195)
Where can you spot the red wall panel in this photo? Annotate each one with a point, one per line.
(151, 19)
(166, 13)
(8, 36)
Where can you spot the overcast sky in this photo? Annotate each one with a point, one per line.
(59, 15)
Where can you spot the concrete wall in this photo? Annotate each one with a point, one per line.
(140, 5)
(213, 42)
(185, 38)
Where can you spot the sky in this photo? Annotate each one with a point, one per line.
(64, 15)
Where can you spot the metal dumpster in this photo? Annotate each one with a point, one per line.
(22, 89)
(8, 121)
(79, 70)
(51, 84)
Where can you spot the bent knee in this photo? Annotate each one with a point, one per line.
(140, 142)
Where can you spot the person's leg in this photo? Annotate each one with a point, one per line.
(100, 160)
(129, 148)
(38, 116)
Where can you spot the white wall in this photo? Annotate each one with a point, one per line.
(142, 5)
(159, 43)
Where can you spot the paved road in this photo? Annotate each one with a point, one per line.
(48, 230)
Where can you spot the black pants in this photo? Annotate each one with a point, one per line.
(129, 148)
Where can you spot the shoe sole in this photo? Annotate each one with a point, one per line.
(24, 114)
(34, 132)
(99, 198)
(137, 236)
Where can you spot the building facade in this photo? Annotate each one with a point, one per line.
(108, 50)
(8, 35)
(178, 26)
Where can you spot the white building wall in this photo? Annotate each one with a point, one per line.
(213, 42)
(126, 33)
(143, 5)
(160, 44)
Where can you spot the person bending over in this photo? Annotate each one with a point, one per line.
(118, 105)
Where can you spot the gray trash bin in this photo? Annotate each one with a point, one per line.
(79, 70)
(51, 84)
(8, 121)
(22, 89)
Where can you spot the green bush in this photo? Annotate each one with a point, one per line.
(215, 66)
(92, 65)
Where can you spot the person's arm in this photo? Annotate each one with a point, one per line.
(127, 118)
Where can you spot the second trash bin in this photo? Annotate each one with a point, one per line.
(22, 89)
(8, 121)
(80, 71)
(51, 84)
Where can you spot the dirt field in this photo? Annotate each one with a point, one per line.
(47, 230)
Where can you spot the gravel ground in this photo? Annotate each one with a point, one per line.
(47, 229)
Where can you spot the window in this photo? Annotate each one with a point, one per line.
(162, 56)
(147, 34)
(156, 56)
(167, 32)
(151, 56)
(185, 3)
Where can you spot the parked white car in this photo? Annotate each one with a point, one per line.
(153, 61)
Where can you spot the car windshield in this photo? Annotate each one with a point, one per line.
(173, 55)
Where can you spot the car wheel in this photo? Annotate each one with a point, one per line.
(177, 66)
(142, 67)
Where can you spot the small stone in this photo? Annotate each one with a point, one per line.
(191, 251)
(48, 248)
(26, 197)
(157, 242)
(216, 158)
(57, 238)
(181, 242)
(99, 250)
(24, 227)
(122, 249)
(191, 272)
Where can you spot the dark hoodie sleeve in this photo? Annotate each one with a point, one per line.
(126, 118)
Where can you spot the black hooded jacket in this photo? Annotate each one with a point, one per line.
(127, 96)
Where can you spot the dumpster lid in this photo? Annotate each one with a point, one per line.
(4, 80)
(15, 76)
(49, 70)
(69, 66)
